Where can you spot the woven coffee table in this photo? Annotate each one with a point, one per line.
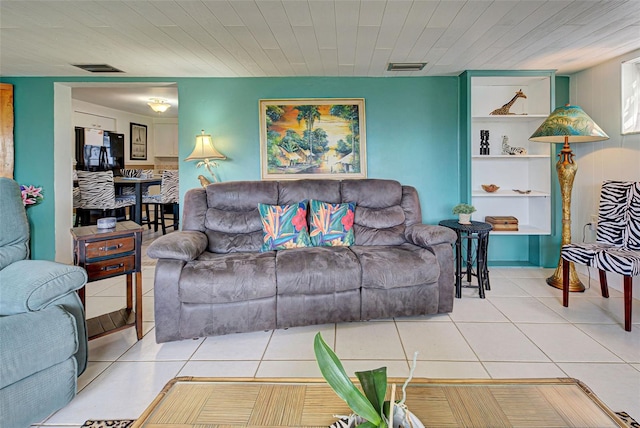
(217, 402)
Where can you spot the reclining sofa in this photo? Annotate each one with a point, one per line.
(212, 279)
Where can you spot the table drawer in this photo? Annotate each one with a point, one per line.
(111, 267)
(109, 247)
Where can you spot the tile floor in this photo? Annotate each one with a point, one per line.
(519, 330)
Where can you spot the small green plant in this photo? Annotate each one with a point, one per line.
(463, 209)
(369, 406)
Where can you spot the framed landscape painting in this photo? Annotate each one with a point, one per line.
(312, 138)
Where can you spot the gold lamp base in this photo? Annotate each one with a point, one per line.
(555, 280)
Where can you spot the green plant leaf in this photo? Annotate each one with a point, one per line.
(333, 372)
(374, 385)
(368, 424)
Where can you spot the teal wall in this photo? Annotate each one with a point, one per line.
(411, 125)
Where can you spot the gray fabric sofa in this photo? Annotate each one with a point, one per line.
(211, 279)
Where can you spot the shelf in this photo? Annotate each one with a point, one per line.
(508, 156)
(523, 229)
(508, 194)
(511, 117)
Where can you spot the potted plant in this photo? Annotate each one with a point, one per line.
(464, 213)
(370, 409)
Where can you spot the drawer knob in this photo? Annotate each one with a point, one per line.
(112, 267)
(111, 248)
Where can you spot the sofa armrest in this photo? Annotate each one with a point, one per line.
(185, 246)
(31, 285)
(425, 235)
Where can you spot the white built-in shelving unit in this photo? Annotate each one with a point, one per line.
(530, 172)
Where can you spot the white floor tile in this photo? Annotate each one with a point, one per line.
(579, 310)
(537, 287)
(615, 306)
(625, 344)
(526, 272)
(364, 340)
(475, 310)
(504, 287)
(500, 342)
(526, 309)
(242, 346)
(220, 368)
(123, 391)
(523, 370)
(112, 346)
(147, 349)
(297, 342)
(435, 341)
(450, 370)
(288, 369)
(636, 366)
(94, 368)
(618, 385)
(566, 342)
(148, 313)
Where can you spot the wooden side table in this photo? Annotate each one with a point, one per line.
(107, 253)
(476, 230)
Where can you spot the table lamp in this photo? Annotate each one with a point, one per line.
(567, 124)
(204, 151)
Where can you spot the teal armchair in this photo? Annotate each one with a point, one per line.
(43, 337)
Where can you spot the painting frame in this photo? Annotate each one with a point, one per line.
(337, 127)
(137, 141)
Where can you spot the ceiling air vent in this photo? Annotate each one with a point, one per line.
(406, 66)
(98, 68)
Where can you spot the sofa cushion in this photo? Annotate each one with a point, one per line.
(232, 221)
(224, 278)
(397, 266)
(317, 270)
(34, 341)
(331, 224)
(290, 192)
(380, 219)
(284, 226)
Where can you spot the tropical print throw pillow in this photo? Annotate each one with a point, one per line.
(284, 226)
(332, 224)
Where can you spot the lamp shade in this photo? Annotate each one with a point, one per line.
(570, 122)
(159, 106)
(204, 149)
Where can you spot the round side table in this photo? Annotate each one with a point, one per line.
(476, 230)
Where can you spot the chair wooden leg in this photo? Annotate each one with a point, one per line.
(603, 283)
(628, 283)
(146, 211)
(164, 228)
(565, 283)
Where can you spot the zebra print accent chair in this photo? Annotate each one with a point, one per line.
(135, 173)
(97, 192)
(169, 195)
(617, 246)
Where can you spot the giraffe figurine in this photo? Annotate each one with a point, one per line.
(504, 110)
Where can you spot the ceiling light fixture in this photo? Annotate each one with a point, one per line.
(158, 105)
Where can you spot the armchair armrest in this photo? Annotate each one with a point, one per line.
(425, 235)
(185, 246)
(31, 285)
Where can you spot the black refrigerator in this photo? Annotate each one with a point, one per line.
(98, 150)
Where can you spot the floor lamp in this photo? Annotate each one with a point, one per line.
(567, 124)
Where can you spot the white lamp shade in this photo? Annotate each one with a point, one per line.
(204, 149)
